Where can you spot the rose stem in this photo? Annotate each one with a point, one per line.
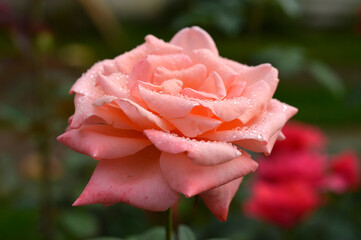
(169, 226)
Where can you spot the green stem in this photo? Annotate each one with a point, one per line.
(169, 226)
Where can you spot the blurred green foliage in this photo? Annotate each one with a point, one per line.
(46, 45)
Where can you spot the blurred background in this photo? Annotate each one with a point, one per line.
(46, 45)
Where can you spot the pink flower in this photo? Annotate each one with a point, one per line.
(161, 120)
(282, 203)
(344, 173)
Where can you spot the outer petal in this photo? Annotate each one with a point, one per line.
(261, 131)
(139, 117)
(202, 153)
(264, 72)
(86, 93)
(166, 105)
(219, 199)
(104, 142)
(190, 179)
(135, 180)
(114, 84)
(194, 38)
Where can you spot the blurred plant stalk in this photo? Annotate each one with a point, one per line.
(104, 20)
(41, 124)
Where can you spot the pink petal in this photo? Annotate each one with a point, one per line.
(83, 109)
(135, 180)
(86, 93)
(236, 89)
(126, 61)
(214, 84)
(157, 46)
(141, 116)
(191, 93)
(218, 199)
(144, 69)
(109, 115)
(236, 66)
(194, 125)
(226, 109)
(104, 142)
(264, 72)
(166, 105)
(191, 77)
(262, 132)
(172, 86)
(194, 38)
(86, 83)
(259, 95)
(200, 152)
(214, 63)
(114, 84)
(190, 179)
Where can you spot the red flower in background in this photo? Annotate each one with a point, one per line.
(344, 173)
(283, 203)
(300, 137)
(289, 185)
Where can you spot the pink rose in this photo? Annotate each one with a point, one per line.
(162, 119)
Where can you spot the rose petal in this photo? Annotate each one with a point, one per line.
(104, 142)
(236, 66)
(236, 89)
(141, 116)
(226, 109)
(214, 64)
(194, 38)
(259, 95)
(218, 199)
(135, 180)
(144, 69)
(261, 132)
(109, 115)
(200, 152)
(194, 125)
(86, 83)
(264, 72)
(166, 105)
(191, 77)
(190, 179)
(214, 84)
(153, 45)
(114, 84)
(191, 93)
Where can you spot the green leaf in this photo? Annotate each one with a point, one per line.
(105, 238)
(81, 224)
(152, 234)
(185, 233)
(326, 77)
(290, 7)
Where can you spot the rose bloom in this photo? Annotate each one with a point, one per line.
(288, 184)
(284, 203)
(301, 137)
(161, 120)
(344, 173)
